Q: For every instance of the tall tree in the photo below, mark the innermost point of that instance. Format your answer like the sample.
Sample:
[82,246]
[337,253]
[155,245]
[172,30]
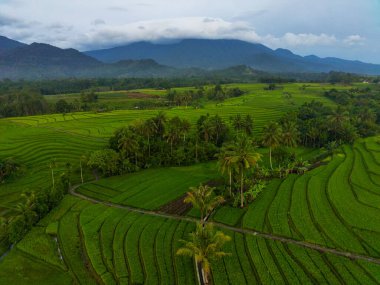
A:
[225,162]
[337,119]
[243,158]
[52,166]
[271,138]
[159,122]
[185,128]
[205,245]
[238,122]
[204,199]
[290,134]
[128,145]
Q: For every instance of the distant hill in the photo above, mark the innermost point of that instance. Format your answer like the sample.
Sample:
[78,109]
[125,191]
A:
[7,45]
[216,54]
[42,61]
[223,59]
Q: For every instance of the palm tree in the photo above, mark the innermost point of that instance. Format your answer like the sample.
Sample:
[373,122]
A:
[26,209]
[203,198]
[271,138]
[205,245]
[128,145]
[207,130]
[243,157]
[238,123]
[159,123]
[337,118]
[185,128]
[173,131]
[52,166]
[225,162]
[219,128]
[82,158]
[290,134]
[248,125]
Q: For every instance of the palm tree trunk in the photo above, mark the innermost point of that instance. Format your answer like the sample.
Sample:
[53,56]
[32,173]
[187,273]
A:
[205,276]
[149,145]
[241,189]
[171,147]
[230,182]
[270,157]
[81,171]
[196,150]
[52,177]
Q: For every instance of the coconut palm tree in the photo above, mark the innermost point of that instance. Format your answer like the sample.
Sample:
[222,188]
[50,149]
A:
[290,134]
[238,123]
[205,245]
[83,158]
[52,166]
[26,209]
[225,162]
[203,198]
[185,128]
[128,145]
[337,118]
[248,125]
[271,138]
[159,122]
[243,158]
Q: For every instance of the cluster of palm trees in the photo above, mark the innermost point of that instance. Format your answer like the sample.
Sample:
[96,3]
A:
[238,157]
[33,206]
[320,125]
[194,96]
[163,141]
[204,244]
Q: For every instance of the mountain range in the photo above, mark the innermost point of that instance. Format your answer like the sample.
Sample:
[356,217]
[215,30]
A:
[189,57]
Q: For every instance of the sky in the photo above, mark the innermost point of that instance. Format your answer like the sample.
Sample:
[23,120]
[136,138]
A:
[339,28]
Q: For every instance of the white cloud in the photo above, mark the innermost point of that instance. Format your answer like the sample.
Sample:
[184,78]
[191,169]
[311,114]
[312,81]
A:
[294,40]
[354,40]
[318,27]
[169,29]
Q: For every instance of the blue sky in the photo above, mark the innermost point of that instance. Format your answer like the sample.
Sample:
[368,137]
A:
[340,28]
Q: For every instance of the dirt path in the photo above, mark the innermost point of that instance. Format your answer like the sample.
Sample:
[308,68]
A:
[273,237]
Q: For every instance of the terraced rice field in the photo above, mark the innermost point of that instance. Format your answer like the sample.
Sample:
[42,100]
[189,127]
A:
[335,206]
[112,245]
[36,140]
[151,188]
[99,244]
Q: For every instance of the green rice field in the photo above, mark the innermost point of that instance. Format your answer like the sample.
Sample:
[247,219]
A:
[112,230]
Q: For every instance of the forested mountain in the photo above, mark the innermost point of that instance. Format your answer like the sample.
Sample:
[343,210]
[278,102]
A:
[187,58]
[7,45]
[216,54]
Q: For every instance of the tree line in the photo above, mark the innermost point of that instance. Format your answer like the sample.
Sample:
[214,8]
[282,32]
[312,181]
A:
[195,96]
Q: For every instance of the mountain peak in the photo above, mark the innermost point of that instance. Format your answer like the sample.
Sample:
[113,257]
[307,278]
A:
[7,44]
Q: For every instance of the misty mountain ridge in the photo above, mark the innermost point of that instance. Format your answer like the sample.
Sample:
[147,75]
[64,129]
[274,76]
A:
[216,54]
[185,58]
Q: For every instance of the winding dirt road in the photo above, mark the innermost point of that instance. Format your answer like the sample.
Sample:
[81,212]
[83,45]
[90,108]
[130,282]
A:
[273,237]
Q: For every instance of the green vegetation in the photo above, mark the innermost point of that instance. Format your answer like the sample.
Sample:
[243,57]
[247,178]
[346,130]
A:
[324,189]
